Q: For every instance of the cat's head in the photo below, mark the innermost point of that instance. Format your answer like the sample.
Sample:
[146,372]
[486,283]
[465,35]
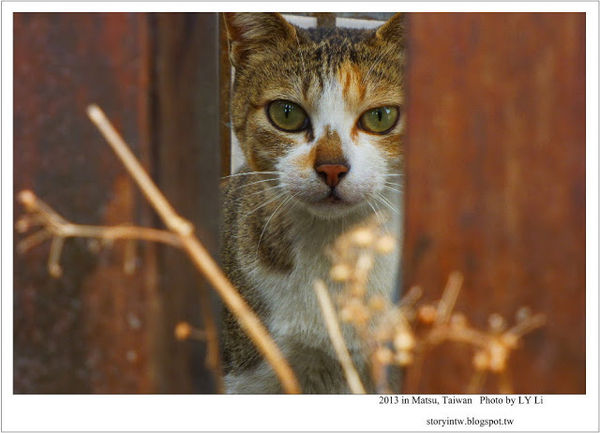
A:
[322,107]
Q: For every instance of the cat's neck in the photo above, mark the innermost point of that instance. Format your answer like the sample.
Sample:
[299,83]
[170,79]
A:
[325,230]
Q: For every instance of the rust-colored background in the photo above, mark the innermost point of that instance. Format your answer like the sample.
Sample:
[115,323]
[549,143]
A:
[496,185]
[96,329]
[495,188]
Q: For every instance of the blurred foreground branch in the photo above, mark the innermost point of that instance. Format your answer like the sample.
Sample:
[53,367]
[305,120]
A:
[180,234]
[403,334]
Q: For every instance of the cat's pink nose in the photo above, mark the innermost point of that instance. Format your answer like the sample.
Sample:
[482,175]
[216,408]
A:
[332,173]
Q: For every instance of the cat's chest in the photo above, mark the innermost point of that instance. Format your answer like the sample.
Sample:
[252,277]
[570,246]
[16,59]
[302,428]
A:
[295,317]
[292,304]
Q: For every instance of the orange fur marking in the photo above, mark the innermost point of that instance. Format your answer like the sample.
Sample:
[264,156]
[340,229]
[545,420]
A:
[307,161]
[353,88]
[329,149]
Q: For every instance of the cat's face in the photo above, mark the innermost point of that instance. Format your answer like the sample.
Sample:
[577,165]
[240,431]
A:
[323,109]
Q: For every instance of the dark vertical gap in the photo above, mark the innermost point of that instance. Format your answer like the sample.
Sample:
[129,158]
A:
[325,19]
[187,130]
[224,74]
[154,134]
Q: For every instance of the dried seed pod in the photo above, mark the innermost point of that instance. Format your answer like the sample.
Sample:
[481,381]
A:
[427,314]
[27,199]
[458,321]
[403,358]
[377,303]
[498,354]
[481,360]
[362,237]
[346,314]
[383,333]
[361,315]
[385,244]
[55,270]
[340,272]
[404,341]
[183,331]
[22,225]
[522,314]
[384,355]
[510,340]
[497,323]
[364,264]
[358,290]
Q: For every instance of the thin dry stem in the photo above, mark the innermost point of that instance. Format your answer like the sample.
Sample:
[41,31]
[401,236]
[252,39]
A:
[505,383]
[135,169]
[527,325]
[476,382]
[387,329]
[446,304]
[56,225]
[337,339]
[196,251]
[54,256]
[33,240]
[213,355]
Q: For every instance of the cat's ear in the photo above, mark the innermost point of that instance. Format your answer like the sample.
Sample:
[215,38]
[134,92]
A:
[251,33]
[392,30]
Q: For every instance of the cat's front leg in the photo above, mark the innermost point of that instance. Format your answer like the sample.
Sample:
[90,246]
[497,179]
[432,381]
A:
[260,379]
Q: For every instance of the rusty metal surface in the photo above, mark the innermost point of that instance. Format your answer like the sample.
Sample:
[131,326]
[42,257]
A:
[97,329]
[496,185]
[87,330]
[187,130]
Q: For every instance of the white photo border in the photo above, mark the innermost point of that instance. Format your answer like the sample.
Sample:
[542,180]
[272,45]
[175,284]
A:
[276,412]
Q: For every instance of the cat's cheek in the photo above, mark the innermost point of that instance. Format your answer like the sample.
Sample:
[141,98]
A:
[367,173]
[356,192]
[297,173]
[306,189]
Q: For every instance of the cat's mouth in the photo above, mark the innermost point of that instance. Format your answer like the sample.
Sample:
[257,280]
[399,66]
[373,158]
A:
[334,201]
[333,197]
[332,204]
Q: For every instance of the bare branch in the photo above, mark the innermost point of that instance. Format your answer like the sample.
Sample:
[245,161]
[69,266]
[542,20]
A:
[196,251]
[337,339]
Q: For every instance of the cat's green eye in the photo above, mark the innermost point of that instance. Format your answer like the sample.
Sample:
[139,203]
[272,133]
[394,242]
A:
[379,120]
[287,115]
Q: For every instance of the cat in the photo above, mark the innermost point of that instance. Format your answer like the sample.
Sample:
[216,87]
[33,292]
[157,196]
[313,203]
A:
[318,114]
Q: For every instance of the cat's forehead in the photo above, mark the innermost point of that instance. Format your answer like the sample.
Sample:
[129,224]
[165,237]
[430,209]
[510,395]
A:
[304,72]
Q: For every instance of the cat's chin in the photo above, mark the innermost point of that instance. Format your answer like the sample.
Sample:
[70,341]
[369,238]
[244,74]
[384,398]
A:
[332,208]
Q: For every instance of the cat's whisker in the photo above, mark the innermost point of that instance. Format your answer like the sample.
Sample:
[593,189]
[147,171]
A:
[265,190]
[392,189]
[377,214]
[400,188]
[245,185]
[277,197]
[393,174]
[385,201]
[248,173]
[381,217]
[287,200]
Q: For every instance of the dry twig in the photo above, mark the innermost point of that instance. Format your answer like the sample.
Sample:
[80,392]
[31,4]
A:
[196,251]
[180,234]
[337,339]
[387,329]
